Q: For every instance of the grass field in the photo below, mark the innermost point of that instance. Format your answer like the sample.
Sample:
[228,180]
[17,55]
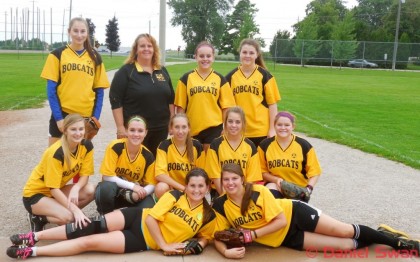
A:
[372,110]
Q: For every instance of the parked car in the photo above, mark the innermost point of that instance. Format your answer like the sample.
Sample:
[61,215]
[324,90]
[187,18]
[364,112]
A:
[361,63]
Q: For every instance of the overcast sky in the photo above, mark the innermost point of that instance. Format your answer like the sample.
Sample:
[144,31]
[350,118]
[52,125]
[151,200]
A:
[139,16]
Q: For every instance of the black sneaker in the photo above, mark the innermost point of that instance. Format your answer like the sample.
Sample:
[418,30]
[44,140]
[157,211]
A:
[389,231]
[36,223]
[127,195]
[413,246]
[27,239]
[19,252]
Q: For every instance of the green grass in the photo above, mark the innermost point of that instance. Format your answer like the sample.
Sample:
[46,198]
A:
[372,110]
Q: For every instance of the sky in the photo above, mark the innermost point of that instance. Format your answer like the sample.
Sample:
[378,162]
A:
[138,16]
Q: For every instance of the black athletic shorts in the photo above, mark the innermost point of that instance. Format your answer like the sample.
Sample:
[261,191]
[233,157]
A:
[133,233]
[53,129]
[304,218]
[207,135]
[29,201]
[257,140]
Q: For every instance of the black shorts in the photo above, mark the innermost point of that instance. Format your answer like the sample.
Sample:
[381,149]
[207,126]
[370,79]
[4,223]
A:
[29,201]
[304,218]
[53,129]
[207,135]
[257,140]
[133,233]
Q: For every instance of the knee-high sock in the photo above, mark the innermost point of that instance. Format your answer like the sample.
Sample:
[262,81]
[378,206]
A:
[366,236]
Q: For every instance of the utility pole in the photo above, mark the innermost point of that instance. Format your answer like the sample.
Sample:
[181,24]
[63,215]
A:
[5,28]
[397,28]
[162,30]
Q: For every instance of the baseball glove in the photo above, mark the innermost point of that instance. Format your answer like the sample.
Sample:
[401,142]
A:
[92,126]
[293,191]
[233,237]
[192,247]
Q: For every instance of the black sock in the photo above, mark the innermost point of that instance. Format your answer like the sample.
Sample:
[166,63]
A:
[366,236]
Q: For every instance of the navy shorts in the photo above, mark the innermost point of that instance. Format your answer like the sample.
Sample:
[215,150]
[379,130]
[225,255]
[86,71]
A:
[207,135]
[304,218]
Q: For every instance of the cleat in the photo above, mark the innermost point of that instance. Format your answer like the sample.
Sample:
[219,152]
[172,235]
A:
[36,223]
[20,252]
[389,231]
[409,245]
[127,195]
[24,239]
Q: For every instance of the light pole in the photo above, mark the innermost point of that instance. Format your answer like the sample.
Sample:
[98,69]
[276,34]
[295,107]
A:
[394,55]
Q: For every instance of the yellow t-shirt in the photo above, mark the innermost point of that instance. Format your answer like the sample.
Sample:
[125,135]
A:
[118,163]
[262,208]
[254,94]
[53,172]
[175,164]
[296,163]
[77,76]
[221,152]
[203,99]
[177,220]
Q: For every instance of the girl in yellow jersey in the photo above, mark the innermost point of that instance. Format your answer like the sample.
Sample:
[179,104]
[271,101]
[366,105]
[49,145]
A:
[233,147]
[288,157]
[290,223]
[255,90]
[204,95]
[76,79]
[127,171]
[176,156]
[46,195]
[176,218]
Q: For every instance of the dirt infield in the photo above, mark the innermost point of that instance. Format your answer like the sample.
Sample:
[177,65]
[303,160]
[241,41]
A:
[355,187]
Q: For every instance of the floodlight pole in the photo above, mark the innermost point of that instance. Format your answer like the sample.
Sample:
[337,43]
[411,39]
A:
[162,31]
[394,55]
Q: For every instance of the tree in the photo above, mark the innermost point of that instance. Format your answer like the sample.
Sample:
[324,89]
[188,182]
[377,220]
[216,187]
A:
[344,45]
[200,20]
[239,25]
[370,15]
[306,44]
[112,38]
[92,28]
[282,46]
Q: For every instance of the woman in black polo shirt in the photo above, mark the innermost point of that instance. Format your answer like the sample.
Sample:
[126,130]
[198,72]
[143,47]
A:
[142,86]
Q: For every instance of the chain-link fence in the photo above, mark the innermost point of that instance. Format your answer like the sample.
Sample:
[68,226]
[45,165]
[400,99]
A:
[339,53]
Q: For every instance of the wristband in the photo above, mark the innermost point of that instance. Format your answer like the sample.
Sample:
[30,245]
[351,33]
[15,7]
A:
[255,234]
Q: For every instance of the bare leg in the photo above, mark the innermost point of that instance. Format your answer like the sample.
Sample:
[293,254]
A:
[97,242]
[161,188]
[54,211]
[86,194]
[330,233]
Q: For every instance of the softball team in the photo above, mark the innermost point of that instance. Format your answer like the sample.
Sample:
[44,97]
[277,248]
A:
[229,126]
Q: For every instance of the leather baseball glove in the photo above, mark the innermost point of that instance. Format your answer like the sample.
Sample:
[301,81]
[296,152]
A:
[192,247]
[293,191]
[233,237]
[92,126]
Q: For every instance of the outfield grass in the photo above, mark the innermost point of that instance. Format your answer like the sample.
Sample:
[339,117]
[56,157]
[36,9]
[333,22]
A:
[373,110]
